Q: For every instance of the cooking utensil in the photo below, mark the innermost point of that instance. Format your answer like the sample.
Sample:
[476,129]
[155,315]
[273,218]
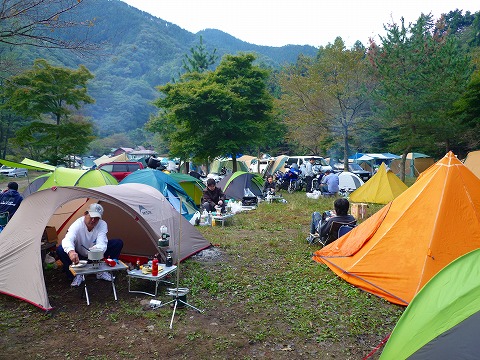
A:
[94,254]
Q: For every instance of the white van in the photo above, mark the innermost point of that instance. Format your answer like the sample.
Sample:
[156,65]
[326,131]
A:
[320,164]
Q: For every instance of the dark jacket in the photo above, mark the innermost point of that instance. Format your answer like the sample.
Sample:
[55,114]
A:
[267,186]
[213,197]
[10,201]
[325,228]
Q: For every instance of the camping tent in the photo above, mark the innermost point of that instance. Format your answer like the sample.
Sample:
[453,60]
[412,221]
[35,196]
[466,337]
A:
[443,319]
[134,213]
[277,165]
[382,188]
[217,165]
[402,246]
[349,181]
[473,162]
[234,185]
[415,164]
[71,177]
[106,159]
[167,186]
[191,185]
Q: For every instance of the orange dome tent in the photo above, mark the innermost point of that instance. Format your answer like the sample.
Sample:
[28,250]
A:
[398,249]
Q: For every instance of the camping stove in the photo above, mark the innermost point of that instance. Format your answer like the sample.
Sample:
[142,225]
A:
[96,263]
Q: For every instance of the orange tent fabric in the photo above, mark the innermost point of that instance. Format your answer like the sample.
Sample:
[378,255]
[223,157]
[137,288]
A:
[398,249]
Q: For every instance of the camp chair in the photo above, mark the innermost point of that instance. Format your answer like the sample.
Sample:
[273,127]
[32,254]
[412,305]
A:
[335,232]
[3,219]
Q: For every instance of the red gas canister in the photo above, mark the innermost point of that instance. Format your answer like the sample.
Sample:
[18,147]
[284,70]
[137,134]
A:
[155,267]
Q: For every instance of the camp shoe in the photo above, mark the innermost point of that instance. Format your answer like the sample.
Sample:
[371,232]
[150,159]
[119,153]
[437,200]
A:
[77,280]
[104,276]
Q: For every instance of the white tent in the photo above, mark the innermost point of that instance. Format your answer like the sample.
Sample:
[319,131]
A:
[349,181]
[134,213]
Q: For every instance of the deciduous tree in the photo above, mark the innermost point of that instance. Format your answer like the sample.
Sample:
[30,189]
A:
[325,99]
[42,23]
[49,95]
[223,112]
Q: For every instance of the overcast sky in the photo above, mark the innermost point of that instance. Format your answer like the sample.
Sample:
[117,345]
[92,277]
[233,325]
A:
[300,22]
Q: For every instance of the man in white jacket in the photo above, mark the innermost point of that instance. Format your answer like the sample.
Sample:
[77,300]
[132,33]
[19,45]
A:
[87,232]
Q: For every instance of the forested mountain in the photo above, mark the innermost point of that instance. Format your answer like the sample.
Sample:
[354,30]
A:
[137,53]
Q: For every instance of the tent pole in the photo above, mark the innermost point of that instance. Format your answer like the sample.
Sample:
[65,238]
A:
[179,292]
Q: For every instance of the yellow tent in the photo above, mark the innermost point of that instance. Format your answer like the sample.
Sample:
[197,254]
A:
[401,247]
[473,162]
[382,188]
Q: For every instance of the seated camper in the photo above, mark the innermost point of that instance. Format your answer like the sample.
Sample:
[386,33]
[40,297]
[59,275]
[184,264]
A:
[325,227]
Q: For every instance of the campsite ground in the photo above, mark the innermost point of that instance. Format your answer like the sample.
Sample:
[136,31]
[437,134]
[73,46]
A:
[262,296]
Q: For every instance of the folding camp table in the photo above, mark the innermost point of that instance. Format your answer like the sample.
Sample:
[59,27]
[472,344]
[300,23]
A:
[138,274]
[221,218]
[95,269]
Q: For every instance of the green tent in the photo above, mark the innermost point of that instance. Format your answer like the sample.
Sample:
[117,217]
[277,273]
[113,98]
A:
[75,177]
[192,186]
[443,319]
[217,165]
[234,185]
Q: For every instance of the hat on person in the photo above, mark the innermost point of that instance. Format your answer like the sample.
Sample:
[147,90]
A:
[95,210]
[211,181]
[328,171]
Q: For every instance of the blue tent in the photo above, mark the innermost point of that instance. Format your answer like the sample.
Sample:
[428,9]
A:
[169,188]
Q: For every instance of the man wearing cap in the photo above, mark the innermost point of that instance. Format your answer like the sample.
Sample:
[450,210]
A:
[213,196]
[330,182]
[87,232]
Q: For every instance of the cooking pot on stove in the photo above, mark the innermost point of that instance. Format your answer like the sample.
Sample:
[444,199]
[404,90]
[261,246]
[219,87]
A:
[95,254]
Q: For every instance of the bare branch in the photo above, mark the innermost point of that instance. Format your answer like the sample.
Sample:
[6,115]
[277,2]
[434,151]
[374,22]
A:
[44,23]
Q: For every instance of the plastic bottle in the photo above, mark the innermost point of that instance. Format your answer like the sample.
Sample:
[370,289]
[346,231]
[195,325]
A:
[155,267]
[204,217]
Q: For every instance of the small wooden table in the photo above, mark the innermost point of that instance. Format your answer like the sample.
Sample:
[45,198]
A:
[157,279]
[95,269]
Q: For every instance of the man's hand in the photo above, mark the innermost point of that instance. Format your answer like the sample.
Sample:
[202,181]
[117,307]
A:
[73,257]
[220,202]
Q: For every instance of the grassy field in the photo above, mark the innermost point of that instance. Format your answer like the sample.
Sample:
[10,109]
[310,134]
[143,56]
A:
[262,295]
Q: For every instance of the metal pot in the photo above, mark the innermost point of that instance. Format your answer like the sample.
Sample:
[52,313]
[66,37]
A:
[95,254]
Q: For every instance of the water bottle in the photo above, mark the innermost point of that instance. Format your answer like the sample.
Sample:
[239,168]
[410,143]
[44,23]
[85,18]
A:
[204,217]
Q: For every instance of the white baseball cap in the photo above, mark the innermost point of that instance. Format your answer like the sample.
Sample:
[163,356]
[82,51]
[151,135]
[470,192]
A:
[95,210]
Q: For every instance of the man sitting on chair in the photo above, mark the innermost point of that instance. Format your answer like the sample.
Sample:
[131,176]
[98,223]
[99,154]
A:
[321,224]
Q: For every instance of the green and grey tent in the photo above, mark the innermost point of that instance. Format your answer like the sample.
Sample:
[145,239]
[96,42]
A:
[234,185]
[192,186]
[443,319]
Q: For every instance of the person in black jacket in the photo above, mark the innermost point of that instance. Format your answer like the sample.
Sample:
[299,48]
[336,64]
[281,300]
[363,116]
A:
[213,196]
[10,199]
[321,224]
[269,186]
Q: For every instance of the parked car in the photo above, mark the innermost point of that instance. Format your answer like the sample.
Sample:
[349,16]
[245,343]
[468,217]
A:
[320,164]
[120,169]
[13,172]
[355,169]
